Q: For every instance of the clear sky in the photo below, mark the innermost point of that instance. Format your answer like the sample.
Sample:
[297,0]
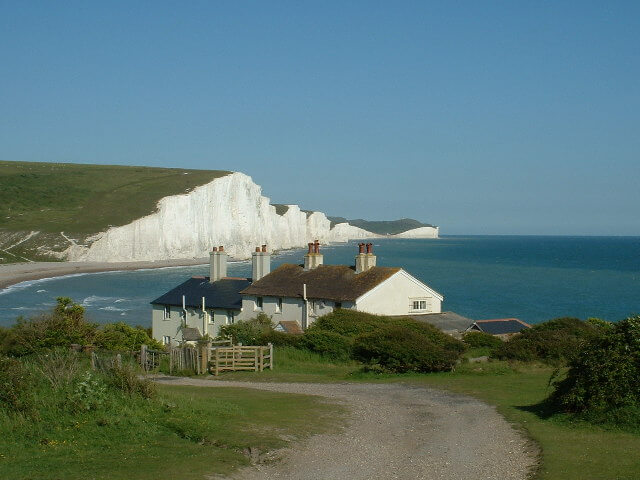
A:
[497,117]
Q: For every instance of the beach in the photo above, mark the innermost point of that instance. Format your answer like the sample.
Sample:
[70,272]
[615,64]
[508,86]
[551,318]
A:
[13,273]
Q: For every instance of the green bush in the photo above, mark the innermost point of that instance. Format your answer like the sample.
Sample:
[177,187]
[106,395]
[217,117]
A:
[328,344]
[66,325]
[555,341]
[122,337]
[605,374]
[280,339]
[248,332]
[400,348]
[481,340]
[349,323]
[16,387]
[126,378]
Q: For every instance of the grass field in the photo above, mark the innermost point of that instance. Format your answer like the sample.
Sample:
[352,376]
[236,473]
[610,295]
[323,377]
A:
[569,450]
[190,433]
[85,199]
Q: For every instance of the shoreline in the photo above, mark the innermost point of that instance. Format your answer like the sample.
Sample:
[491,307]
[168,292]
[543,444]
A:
[14,273]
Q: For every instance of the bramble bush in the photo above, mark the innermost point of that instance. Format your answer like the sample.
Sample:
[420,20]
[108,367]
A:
[604,375]
[248,332]
[401,348]
[481,340]
[555,341]
[327,343]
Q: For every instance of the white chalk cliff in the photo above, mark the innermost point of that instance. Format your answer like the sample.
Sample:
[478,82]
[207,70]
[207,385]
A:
[229,211]
[421,232]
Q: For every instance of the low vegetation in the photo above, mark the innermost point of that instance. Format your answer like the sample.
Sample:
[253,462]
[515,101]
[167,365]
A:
[382,227]
[379,343]
[65,326]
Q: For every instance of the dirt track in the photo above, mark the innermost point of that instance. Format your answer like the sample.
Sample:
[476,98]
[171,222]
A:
[397,432]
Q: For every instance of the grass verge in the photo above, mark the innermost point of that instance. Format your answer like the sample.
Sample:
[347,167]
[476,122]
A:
[187,433]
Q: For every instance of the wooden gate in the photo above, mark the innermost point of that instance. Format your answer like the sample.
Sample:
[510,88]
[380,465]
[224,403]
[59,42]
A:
[240,357]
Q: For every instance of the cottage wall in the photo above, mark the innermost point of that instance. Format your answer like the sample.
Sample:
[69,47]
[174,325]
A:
[293,309]
[395,296]
[170,327]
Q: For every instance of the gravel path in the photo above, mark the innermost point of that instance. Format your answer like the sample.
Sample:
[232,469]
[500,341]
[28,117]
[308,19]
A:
[397,432]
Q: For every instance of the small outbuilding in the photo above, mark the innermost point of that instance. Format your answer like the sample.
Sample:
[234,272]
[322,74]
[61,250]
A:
[499,327]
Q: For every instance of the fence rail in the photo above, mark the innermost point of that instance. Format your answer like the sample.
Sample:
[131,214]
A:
[240,357]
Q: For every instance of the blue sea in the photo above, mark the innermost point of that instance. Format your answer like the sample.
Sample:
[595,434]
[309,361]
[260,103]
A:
[534,278]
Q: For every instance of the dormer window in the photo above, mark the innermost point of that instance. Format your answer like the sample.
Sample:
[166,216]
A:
[419,305]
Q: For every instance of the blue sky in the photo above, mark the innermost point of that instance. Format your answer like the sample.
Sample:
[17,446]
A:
[481,117]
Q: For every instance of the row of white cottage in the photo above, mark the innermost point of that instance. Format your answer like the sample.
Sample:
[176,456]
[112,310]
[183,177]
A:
[291,293]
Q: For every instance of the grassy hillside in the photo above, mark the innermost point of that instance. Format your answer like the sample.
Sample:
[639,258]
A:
[79,200]
[84,199]
[382,227]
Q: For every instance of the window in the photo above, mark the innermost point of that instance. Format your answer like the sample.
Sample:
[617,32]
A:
[259,303]
[419,305]
[279,305]
[166,340]
[166,314]
[231,316]
[338,305]
[313,307]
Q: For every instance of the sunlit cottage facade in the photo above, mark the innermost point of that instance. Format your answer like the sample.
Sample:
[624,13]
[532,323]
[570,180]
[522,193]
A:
[299,293]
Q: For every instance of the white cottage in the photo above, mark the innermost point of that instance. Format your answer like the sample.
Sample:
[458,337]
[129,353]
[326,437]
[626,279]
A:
[303,293]
[291,293]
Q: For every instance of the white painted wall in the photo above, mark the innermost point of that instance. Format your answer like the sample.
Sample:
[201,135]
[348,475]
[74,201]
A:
[162,327]
[395,296]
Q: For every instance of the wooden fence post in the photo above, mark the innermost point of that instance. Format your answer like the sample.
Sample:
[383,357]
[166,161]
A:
[143,357]
[271,356]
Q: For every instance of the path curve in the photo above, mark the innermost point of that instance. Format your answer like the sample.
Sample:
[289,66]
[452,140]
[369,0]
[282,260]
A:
[396,431]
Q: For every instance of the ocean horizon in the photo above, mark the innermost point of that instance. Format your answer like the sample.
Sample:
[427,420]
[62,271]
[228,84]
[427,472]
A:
[530,277]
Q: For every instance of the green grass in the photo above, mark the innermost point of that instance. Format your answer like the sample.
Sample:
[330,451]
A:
[570,449]
[189,433]
[382,227]
[85,199]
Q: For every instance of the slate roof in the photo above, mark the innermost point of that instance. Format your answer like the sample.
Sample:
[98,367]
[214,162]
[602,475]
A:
[331,282]
[190,334]
[289,326]
[500,326]
[445,321]
[224,293]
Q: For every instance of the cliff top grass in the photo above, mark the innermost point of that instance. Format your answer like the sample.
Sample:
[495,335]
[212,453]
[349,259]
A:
[382,227]
[85,199]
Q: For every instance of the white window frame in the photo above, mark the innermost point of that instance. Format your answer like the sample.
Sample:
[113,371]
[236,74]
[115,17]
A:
[279,302]
[166,312]
[259,304]
[419,304]
[166,340]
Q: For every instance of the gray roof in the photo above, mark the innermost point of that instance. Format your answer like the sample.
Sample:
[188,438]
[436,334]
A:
[224,293]
[500,326]
[190,334]
[446,321]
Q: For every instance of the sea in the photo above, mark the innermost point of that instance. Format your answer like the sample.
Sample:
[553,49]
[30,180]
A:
[533,278]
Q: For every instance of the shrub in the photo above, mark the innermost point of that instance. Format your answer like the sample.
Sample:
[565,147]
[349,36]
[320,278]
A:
[126,379]
[280,339]
[481,340]
[554,341]
[89,393]
[605,374]
[66,325]
[16,387]
[122,337]
[349,323]
[399,348]
[59,367]
[327,343]
[248,332]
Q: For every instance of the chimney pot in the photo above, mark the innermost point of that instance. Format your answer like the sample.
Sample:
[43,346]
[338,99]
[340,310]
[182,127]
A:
[316,246]
[310,247]
[215,249]
[369,248]
[361,248]
[264,248]
[221,248]
[257,249]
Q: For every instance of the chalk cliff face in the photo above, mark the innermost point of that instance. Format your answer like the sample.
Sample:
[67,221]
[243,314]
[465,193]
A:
[422,232]
[229,211]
